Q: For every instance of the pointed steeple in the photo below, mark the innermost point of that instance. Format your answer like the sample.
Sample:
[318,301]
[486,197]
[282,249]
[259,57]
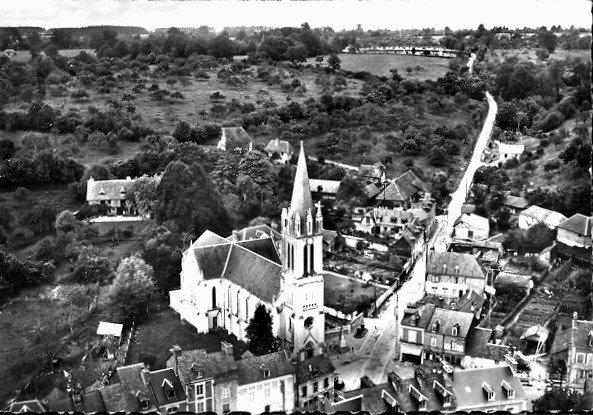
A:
[301,202]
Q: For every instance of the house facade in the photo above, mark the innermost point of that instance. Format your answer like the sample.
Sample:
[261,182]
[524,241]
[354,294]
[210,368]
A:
[314,382]
[324,189]
[452,274]
[471,226]
[445,335]
[575,345]
[509,151]
[280,149]
[114,194]
[402,191]
[575,231]
[223,281]
[412,330]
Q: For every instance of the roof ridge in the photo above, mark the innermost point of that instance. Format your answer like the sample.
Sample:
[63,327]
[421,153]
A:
[226,263]
[255,253]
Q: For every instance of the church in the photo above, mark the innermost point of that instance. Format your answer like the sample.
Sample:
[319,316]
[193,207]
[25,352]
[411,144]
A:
[223,280]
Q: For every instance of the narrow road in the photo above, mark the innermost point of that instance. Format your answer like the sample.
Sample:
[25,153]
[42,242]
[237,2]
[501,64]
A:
[335,163]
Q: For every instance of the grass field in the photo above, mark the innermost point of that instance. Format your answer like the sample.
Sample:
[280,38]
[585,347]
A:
[423,67]
[346,295]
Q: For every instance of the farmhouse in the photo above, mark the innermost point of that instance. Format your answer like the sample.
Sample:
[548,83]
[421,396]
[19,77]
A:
[403,190]
[279,150]
[535,214]
[234,138]
[114,194]
[471,227]
[223,281]
[575,231]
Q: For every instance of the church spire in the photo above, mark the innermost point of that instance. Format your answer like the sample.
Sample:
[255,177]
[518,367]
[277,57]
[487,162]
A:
[301,202]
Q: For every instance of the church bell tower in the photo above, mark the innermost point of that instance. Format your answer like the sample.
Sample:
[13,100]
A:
[302,267]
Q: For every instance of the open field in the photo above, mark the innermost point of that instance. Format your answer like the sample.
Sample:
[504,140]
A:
[345,295]
[422,67]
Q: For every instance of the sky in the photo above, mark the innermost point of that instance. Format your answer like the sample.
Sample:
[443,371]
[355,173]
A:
[338,14]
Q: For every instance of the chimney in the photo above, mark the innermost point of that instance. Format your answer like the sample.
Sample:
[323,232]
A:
[176,351]
[145,376]
[128,178]
[235,235]
[277,143]
[227,348]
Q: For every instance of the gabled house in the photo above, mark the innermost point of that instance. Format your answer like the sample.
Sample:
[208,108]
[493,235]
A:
[372,173]
[280,151]
[446,334]
[452,274]
[314,382]
[89,402]
[114,194]
[515,204]
[234,138]
[575,231]
[481,351]
[471,227]
[402,191]
[33,405]
[488,390]
[509,151]
[535,214]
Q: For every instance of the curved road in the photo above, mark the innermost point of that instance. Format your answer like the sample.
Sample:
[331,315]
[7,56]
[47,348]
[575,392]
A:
[376,360]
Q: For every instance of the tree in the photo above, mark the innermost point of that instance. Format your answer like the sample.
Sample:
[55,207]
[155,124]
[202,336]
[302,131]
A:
[259,332]
[7,149]
[133,288]
[547,40]
[66,222]
[77,298]
[163,250]
[80,94]
[144,193]
[90,266]
[182,132]
[563,400]
[334,62]
[296,54]
[40,220]
[520,117]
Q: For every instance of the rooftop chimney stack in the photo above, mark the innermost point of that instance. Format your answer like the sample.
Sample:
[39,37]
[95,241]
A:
[145,374]
[227,348]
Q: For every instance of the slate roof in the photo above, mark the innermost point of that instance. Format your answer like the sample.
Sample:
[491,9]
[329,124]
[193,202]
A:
[423,315]
[301,200]
[468,208]
[371,190]
[373,171]
[251,370]
[313,368]
[516,202]
[370,399]
[582,337]
[236,137]
[467,385]
[403,187]
[255,232]
[577,223]
[538,213]
[131,384]
[217,365]
[107,189]
[55,394]
[162,379]
[89,402]
[279,146]
[447,319]
[114,398]
[478,345]
[327,186]
[505,278]
[252,264]
[468,265]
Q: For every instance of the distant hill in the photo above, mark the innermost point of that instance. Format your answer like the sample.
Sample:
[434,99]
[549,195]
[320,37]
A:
[89,31]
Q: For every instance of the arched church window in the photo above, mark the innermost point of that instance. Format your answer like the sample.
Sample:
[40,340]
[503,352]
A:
[246,308]
[213,297]
[308,322]
[305,260]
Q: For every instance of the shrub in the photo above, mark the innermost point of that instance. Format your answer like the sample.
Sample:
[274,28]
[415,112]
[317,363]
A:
[552,165]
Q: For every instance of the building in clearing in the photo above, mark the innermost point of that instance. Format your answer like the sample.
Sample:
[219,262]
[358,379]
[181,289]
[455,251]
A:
[535,214]
[111,193]
[281,149]
[509,151]
[234,138]
[575,231]
[223,281]
[472,227]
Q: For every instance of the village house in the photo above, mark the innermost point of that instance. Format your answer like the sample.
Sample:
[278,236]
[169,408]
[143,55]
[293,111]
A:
[314,382]
[279,151]
[446,334]
[324,190]
[402,191]
[372,173]
[471,227]
[509,151]
[575,346]
[575,231]
[488,390]
[535,214]
[412,329]
[488,252]
[517,281]
[217,382]
[409,243]
[452,274]
[114,194]
[515,204]
[481,352]
[222,281]
[235,139]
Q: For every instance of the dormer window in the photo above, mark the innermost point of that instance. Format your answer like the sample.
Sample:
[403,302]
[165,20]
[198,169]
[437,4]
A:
[455,330]
[435,326]
[509,389]
[143,400]
[196,369]
[444,268]
[456,269]
[168,389]
[265,373]
[489,392]
[102,192]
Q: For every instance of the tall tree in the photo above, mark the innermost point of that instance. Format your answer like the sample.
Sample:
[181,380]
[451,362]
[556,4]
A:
[259,332]
[133,288]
